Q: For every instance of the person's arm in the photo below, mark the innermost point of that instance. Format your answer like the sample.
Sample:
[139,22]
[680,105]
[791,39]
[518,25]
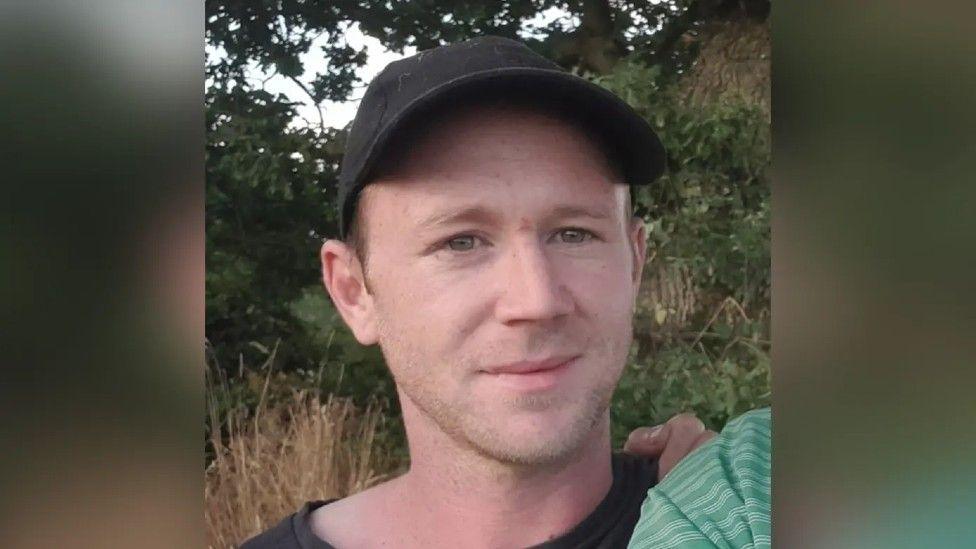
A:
[718,496]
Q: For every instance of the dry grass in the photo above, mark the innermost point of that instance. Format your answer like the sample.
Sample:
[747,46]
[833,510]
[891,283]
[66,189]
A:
[269,463]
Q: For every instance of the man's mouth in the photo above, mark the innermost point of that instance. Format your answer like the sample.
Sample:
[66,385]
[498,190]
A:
[530,366]
[531,375]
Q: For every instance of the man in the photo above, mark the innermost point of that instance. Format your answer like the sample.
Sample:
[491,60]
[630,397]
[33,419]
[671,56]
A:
[490,249]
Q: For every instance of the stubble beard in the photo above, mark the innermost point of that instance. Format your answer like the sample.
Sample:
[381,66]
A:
[488,436]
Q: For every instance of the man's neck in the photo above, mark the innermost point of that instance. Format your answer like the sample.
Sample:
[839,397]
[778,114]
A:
[461,498]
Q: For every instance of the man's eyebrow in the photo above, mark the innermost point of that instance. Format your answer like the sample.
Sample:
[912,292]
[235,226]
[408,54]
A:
[472,214]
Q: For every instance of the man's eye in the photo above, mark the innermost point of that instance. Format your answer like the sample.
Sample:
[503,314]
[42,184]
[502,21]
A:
[462,243]
[574,236]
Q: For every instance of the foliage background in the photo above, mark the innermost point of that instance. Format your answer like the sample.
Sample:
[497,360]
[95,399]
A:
[698,71]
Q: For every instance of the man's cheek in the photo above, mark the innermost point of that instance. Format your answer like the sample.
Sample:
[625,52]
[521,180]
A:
[603,295]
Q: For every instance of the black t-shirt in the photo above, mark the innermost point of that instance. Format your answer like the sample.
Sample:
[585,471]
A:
[608,526]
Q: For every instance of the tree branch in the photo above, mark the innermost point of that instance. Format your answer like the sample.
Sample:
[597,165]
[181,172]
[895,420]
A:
[318,106]
[304,88]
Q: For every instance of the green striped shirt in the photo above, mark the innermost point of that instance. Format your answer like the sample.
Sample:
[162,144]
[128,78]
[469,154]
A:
[718,496]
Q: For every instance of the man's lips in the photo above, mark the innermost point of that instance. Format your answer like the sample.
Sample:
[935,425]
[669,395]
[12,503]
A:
[525,367]
[530,376]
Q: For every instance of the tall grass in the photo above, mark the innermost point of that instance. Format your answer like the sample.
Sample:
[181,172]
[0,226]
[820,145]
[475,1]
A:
[267,461]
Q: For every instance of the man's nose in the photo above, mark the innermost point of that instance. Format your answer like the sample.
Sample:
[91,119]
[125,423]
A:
[532,289]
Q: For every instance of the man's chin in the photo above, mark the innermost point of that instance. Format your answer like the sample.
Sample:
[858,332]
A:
[528,453]
[532,439]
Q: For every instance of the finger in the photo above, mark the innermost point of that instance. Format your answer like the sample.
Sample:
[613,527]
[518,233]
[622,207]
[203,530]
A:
[702,439]
[685,430]
[647,441]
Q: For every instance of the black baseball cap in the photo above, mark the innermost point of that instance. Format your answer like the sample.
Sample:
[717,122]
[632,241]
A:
[484,67]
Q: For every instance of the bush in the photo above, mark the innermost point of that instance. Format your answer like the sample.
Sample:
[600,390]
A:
[702,322]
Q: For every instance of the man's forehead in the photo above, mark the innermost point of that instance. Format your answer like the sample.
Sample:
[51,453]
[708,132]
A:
[481,213]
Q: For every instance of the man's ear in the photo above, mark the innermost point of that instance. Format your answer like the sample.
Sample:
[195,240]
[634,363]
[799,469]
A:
[638,243]
[342,274]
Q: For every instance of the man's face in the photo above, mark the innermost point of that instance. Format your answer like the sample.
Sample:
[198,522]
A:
[503,266]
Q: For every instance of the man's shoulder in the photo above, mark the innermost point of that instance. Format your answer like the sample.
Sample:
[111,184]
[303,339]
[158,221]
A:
[282,535]
[356,520]
[342,520]
[327,524]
